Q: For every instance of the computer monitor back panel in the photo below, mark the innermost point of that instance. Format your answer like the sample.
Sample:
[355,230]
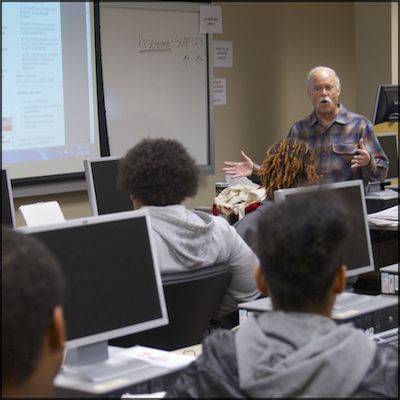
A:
[358,255]
[113,283]
[389,145]
[101,179]
[386,104]
[7,201]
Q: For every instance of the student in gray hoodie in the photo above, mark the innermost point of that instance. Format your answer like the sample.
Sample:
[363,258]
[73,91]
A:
[159,174]
[296,350]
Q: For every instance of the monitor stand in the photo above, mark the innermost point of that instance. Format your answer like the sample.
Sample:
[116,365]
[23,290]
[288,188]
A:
[92,363]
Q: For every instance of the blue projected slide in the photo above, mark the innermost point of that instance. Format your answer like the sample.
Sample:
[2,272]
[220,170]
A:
[49,103]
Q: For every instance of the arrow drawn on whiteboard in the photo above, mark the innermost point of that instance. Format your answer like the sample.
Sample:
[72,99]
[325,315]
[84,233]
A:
[199,59]
[186,59]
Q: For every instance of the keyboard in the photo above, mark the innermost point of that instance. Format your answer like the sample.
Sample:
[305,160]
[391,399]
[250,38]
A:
[109,369]
[347,299]
[383,195]
[390,336]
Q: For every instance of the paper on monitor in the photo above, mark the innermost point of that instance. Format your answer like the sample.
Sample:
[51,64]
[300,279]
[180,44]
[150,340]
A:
[43,213]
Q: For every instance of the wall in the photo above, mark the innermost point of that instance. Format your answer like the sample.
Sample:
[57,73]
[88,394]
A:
[274,46]
[395,41]
[373,52]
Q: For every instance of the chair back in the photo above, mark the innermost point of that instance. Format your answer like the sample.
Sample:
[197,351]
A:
[192,298]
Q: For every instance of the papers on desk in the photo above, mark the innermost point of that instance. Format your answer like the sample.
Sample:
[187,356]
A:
[159,358]
[155,395]
[242,180]
[385,219]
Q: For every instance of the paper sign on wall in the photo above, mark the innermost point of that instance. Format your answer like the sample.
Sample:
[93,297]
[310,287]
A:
[223,54]
[219,92]
[210,19]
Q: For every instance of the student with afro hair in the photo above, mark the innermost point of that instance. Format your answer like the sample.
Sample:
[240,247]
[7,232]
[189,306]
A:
[159,174]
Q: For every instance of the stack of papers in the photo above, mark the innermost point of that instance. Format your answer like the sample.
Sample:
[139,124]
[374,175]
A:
[385,219]
[242,180]
[159,358]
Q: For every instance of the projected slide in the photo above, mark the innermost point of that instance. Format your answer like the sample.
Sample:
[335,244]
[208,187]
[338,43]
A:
[32,75]
[49,104]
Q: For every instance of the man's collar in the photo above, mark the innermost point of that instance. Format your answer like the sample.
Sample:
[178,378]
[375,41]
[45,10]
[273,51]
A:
[341,116]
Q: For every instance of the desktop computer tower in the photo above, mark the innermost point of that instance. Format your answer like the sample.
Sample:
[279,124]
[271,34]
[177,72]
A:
[375,314]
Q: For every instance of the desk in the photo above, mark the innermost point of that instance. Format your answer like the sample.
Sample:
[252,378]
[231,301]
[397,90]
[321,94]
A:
[370,313]
[194,350]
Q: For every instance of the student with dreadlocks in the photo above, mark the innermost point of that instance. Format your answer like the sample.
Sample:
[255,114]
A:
[288,163]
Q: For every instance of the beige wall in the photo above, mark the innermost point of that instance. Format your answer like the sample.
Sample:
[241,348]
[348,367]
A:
[274,46]
[373,52]
[395,42]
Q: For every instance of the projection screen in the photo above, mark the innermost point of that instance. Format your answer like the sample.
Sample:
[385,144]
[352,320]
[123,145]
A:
[49,101]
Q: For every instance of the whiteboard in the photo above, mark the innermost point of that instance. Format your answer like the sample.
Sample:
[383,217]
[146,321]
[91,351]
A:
[157,77]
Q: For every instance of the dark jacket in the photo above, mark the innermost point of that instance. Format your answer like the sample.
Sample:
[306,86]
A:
[216,372]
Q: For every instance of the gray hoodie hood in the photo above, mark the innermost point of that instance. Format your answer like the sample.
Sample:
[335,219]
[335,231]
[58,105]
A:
[186,235]
[300,355]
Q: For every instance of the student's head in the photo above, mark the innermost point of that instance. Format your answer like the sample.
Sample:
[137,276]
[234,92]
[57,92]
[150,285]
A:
[33,332]
[288,163]
[323,89]
[158,172]
[300,251]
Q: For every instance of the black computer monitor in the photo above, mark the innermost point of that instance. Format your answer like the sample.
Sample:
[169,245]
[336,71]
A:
[7,201]
[113,284]
[386,104]
[101,181]
[389,145]
[358,255]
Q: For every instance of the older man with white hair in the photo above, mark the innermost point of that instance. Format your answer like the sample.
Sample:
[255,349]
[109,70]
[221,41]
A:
[344,142]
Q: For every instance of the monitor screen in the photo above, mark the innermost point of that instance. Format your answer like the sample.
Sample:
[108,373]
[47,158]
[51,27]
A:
[7,201]
[386,104]
[389,145]
[113,282]
[101,181]
[358,251]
